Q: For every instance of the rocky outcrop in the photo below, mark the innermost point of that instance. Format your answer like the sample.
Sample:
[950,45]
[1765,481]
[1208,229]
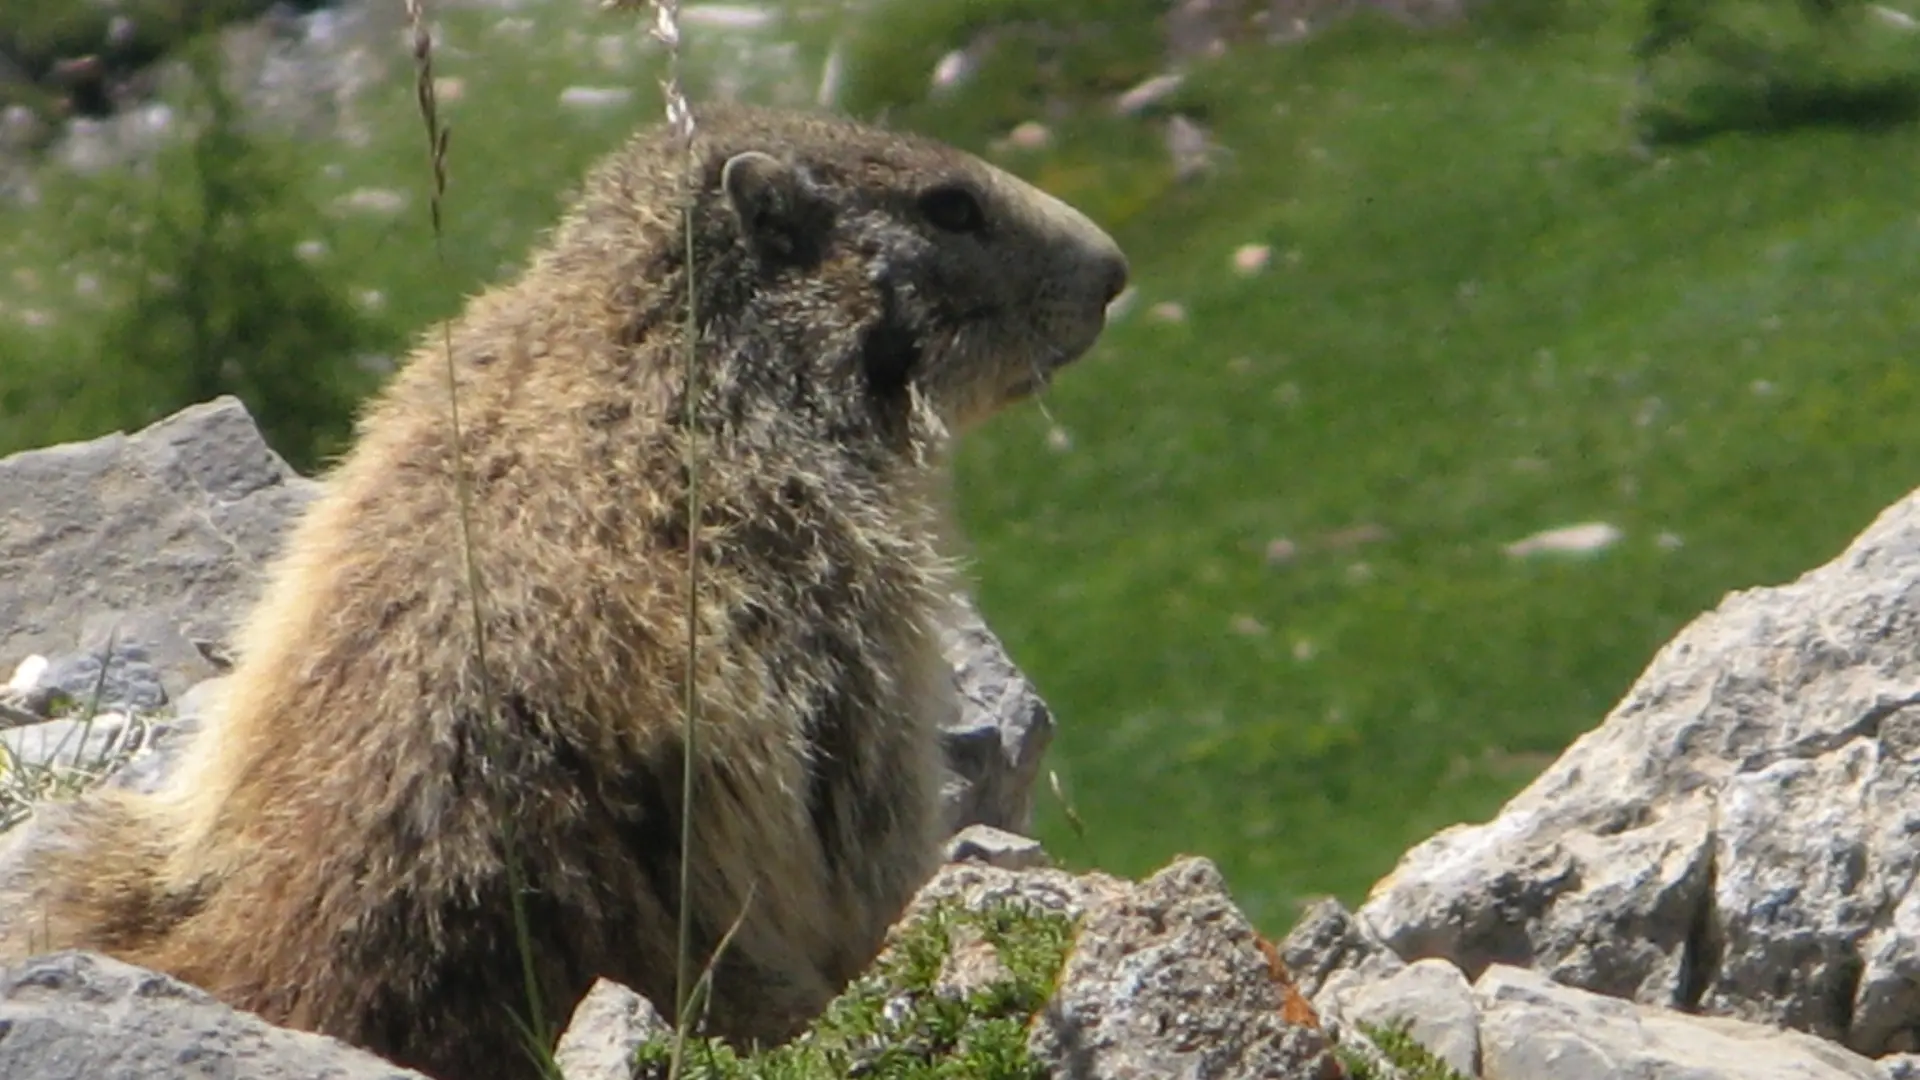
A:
[1738,838]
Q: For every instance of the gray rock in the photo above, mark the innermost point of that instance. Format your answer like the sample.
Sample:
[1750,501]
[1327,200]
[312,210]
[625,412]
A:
[1328,950]
[147,769]
[1739,836]
[164,532]
[1535,1029]
[984,843]
[118,676]
[608,1027]
[1435,1003]
[73,1014]
[1167,980]
[87,745]
[997,738]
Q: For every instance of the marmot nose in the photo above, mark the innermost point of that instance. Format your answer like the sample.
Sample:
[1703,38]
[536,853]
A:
[1113,276]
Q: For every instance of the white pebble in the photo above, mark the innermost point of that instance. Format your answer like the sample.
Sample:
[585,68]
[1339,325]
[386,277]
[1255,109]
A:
[1031,135]
[27,674]
[1252,258]
[1147,94]
[1582,539]
[595,97]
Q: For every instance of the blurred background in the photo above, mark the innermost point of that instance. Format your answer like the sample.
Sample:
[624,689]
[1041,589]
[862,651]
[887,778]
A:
[1474,347]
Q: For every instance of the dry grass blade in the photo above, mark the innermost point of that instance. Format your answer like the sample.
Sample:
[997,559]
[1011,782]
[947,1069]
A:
[666,30]
[438,140]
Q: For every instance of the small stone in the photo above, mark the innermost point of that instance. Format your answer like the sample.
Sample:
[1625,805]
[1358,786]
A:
[27,674]
[373,201]
[1585,538]
[608,1027]
[1167,311]
[996,847]
[1252,258]
[448,89]
[1281,550]
[595,97]
[1058,440]
[1145,95]
[1031,135]
[728,16]
[310,250]
[952,69]
[1248,626]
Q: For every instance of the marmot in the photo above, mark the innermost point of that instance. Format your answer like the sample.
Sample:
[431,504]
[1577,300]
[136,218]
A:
[334,855]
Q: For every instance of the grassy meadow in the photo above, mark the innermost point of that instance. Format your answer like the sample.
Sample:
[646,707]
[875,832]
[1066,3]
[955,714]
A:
[1252,555]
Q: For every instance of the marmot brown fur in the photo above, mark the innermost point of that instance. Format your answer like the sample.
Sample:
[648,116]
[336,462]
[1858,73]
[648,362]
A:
[334,855]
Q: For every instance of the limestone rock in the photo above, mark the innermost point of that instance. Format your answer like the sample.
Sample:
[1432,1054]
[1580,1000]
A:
[996,847]
[1435,1003]
[607,1028]
[76,1014]
[999,734]
[1532,1028]
[157,537]
[1166,979]
[1738,836]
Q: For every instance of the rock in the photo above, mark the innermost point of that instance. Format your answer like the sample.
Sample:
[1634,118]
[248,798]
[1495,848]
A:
[995,847]
[77,744]
[1166,978]
[167,739]
[163,532]
[1535,1029]
[1435,1003]
[1585,538]
[1001,730]
[75,1014]
[1739,835]
[608,1027]
[1329,951]
[120,676]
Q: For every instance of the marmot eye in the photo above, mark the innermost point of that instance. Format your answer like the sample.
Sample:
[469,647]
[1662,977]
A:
[954,209]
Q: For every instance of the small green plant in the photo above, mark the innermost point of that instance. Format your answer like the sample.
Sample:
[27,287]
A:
[893,1024]
[1414,1062]
[77,762]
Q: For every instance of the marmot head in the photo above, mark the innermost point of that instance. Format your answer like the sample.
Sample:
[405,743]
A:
[869,279]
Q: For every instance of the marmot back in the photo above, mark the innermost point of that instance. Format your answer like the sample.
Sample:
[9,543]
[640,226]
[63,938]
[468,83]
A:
[334,855]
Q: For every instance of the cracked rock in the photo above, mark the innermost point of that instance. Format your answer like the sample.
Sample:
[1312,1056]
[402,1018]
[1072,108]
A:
[157,537]
[1535,1029]
[1740,833]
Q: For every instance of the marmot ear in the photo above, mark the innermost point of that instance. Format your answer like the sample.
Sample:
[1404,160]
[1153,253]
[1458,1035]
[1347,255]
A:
[780,215]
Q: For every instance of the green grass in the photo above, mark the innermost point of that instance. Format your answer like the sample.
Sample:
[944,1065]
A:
[1488,313]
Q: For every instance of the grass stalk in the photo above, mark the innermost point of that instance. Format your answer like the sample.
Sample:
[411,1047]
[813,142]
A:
[438,139]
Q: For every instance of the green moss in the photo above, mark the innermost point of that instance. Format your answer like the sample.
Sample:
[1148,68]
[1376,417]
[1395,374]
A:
[928,1036]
